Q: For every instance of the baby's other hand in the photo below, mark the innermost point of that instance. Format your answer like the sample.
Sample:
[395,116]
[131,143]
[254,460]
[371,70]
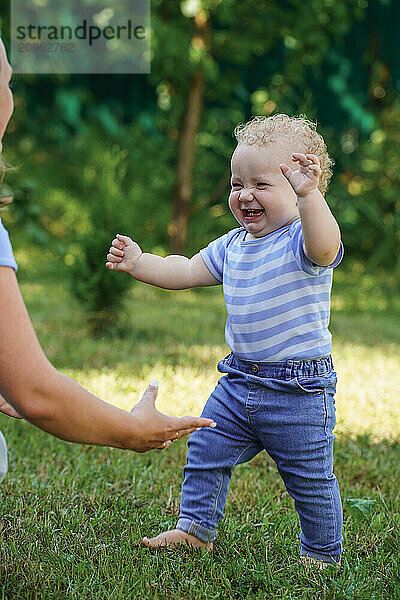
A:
[123,254]
[306,178]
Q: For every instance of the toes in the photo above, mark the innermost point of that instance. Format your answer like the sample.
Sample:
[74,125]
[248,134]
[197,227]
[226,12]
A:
[172,541]
[153,542]
[148,542]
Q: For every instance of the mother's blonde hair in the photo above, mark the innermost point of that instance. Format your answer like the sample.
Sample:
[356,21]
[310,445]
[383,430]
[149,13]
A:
[4,200]
[3,168]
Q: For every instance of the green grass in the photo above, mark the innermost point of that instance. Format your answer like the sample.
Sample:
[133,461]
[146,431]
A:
[73,516]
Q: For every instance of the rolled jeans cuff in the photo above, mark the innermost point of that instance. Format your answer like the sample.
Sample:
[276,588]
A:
[332,559]
[202,533]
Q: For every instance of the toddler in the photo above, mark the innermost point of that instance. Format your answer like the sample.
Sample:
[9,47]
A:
[277,393]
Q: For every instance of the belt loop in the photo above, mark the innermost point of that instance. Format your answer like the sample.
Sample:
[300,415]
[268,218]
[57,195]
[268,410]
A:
[289,369]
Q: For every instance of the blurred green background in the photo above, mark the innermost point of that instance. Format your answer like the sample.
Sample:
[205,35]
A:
[148,155]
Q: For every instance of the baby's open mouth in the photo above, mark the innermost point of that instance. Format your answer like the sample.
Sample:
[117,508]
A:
[252,213]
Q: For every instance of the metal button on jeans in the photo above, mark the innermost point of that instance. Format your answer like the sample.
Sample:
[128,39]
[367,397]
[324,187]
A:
[254,368]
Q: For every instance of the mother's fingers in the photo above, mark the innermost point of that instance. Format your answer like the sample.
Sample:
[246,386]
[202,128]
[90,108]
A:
[162,445]
[154,445]
[9,410]
[183,432]
[182,429]
[182,423]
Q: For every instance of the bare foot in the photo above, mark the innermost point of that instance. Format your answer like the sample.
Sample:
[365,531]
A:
[309,561]
[173,538]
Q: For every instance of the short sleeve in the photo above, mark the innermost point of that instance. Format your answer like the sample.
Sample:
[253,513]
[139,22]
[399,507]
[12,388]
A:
[6,254]
[214,256]
[305,264]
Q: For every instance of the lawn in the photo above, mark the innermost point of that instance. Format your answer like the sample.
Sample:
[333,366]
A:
[73,516]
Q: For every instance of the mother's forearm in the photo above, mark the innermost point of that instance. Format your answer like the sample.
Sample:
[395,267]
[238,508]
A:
[65,409]
[60,406]
[39,392]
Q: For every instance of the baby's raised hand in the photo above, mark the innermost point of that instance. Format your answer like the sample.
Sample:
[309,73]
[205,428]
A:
[306,178]
[123,254]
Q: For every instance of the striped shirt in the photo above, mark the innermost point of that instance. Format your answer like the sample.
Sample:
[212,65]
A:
[277,300]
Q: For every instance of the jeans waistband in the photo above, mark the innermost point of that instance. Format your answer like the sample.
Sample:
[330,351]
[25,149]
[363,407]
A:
[287,369]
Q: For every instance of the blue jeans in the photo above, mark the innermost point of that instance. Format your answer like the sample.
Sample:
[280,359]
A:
[286,408]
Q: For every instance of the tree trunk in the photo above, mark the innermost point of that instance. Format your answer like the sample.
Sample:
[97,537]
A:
[187,138]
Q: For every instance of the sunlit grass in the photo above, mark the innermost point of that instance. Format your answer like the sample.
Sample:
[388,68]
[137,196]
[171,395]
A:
[367,399]
[368,391]
[178,338]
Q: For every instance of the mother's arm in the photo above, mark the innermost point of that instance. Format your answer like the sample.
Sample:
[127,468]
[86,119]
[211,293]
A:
[59,405]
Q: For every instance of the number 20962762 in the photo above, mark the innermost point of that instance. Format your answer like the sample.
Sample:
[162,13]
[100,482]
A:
[45,47]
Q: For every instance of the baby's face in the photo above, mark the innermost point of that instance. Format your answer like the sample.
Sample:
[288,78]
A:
[261,198]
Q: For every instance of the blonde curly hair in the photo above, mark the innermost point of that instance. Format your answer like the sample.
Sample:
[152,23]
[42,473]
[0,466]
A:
[264,131]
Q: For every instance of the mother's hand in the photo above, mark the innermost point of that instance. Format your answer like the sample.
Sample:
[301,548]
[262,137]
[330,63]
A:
[7,409]
[158,430]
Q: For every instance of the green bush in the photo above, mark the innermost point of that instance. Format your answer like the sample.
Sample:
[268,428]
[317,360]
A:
[108,208]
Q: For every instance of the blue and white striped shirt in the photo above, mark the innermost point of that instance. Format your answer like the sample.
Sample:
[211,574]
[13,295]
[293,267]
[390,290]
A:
[277,300]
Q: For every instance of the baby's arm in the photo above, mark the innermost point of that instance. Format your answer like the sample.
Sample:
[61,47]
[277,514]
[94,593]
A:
[174,272]
[321,232]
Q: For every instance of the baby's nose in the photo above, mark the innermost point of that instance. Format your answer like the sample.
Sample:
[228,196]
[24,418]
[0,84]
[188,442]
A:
[246,195]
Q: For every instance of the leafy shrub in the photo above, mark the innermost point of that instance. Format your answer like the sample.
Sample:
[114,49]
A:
[108,209]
